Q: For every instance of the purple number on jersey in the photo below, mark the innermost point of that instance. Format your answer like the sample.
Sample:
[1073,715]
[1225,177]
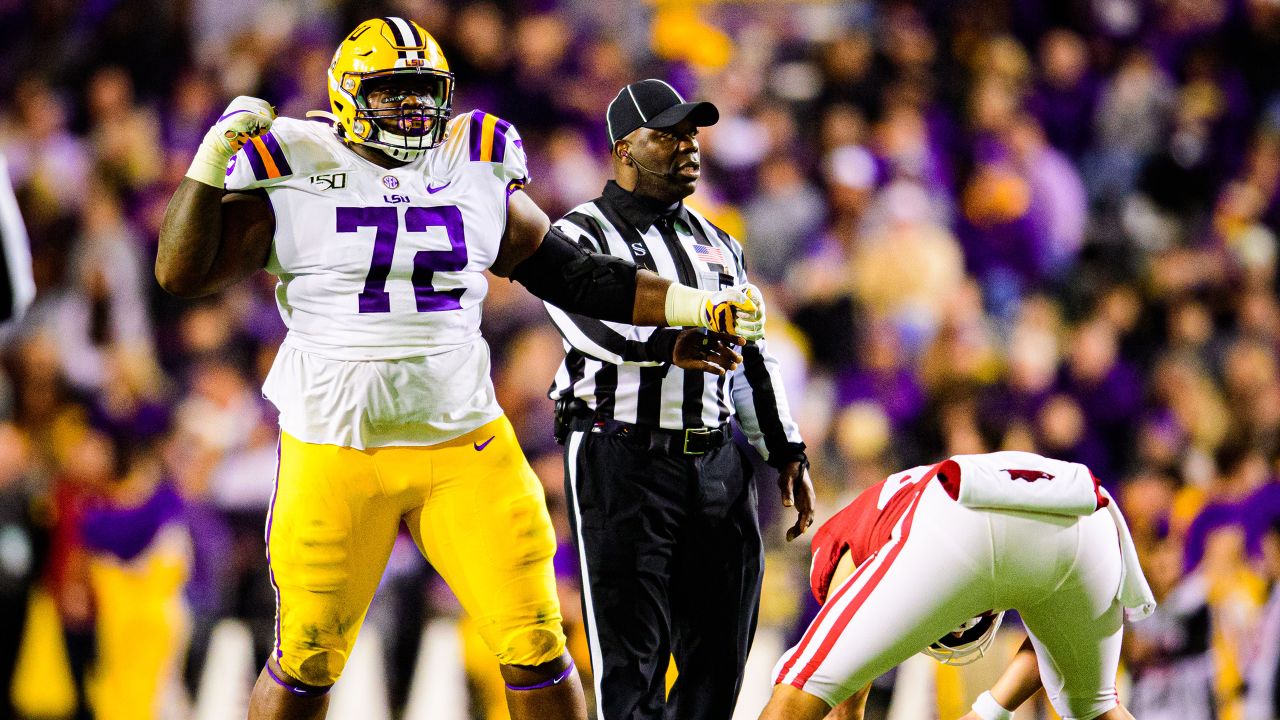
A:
[426,263]
[374,297]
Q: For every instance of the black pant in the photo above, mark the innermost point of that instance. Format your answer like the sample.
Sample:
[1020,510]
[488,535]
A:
[674,562]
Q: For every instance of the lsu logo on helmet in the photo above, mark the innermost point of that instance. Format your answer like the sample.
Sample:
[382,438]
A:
[390,48]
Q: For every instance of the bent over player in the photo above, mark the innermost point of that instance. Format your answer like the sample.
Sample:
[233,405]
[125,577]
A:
[930,557]
[379,228]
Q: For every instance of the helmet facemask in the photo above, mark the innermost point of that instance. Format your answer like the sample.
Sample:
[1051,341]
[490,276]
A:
[398,128]
[967,643]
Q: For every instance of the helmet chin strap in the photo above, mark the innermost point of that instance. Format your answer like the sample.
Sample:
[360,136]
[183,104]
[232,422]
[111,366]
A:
[400,147]
[395,146]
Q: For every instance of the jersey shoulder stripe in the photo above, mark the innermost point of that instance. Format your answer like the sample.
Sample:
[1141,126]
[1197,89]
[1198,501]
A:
[479,137]
[488,137]
[291,147]
[266,157]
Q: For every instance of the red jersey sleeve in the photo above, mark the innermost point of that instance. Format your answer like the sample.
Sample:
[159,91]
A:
[863,526]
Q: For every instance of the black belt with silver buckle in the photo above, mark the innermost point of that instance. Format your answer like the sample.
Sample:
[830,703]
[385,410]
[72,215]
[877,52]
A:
[690,441]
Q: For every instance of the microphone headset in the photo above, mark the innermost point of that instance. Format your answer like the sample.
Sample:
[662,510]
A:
[639,165]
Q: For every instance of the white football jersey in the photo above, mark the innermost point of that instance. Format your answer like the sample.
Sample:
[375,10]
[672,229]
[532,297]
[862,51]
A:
[383,266]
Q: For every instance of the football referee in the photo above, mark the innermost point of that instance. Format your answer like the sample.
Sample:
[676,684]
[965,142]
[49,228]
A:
[660,499]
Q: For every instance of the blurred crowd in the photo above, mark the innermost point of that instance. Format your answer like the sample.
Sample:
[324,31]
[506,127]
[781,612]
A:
[979,225]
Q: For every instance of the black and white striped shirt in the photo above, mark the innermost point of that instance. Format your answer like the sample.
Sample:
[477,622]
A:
[606,363]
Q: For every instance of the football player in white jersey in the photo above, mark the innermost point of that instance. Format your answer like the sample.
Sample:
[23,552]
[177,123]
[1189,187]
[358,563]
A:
[379,226]
[930,557]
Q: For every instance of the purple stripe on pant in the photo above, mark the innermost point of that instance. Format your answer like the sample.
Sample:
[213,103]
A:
[271,574]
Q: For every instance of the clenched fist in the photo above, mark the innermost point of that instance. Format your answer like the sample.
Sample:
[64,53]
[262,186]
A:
[245,118]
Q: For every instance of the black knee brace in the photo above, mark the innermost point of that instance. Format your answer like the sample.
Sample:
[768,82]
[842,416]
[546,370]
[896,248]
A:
[560,676]
[297,688]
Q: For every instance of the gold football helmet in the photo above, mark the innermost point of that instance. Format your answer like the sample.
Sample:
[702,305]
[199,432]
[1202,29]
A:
[391,54]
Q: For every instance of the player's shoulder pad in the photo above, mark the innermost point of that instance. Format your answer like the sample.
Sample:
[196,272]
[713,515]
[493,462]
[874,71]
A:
[291,147]
[481,137]
[488,138]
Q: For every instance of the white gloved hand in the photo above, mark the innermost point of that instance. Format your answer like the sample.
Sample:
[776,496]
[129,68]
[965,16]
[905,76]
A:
[246,117]
[720,310]
[750,323]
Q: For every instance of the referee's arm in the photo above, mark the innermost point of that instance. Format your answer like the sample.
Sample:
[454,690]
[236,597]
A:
[760,403]
[610,342]
[759,400]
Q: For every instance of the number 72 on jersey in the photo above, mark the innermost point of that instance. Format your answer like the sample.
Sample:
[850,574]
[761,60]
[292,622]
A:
[426,263]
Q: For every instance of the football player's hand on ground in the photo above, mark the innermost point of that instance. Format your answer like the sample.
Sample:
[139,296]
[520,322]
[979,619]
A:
[702,351]
[246,117]
[750,323]
[797,491]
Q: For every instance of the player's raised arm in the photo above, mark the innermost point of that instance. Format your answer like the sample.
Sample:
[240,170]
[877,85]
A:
[604,287]
[211,238]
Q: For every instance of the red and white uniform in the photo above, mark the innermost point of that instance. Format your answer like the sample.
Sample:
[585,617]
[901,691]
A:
[926,563]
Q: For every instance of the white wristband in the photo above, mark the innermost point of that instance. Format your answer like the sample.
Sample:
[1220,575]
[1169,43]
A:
[987,708]
[209,166]
[684,305]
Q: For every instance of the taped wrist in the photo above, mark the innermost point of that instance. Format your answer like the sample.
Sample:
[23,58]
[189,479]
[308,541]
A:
[987,708]
[685,305]
[209,166]
[577,281]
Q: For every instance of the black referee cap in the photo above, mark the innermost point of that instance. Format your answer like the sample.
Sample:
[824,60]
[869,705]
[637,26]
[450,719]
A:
[654,104]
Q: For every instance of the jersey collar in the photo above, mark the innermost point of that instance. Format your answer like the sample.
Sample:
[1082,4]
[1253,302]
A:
[643,212]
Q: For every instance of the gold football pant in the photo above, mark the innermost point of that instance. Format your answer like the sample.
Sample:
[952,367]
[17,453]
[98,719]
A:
[476,511]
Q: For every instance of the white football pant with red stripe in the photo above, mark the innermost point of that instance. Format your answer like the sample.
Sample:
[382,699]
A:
[945,564]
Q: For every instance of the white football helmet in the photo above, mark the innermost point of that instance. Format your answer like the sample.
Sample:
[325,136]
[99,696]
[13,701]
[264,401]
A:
[967,643]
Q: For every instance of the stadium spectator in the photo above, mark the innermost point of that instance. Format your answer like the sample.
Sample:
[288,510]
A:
[1262,700]
[139,557]
[24,541]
